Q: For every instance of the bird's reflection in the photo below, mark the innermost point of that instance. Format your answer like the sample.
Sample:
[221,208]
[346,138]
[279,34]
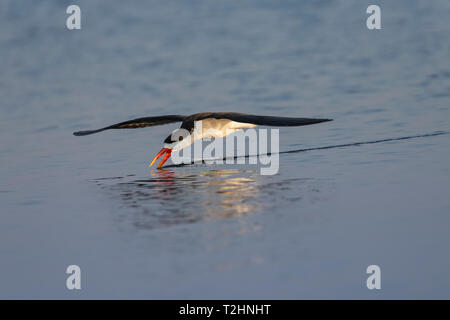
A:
[174,197]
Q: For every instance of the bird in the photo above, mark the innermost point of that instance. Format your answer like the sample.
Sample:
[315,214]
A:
[222,123]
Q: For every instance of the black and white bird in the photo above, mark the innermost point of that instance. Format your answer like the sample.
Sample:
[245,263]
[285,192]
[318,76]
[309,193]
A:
[220,123]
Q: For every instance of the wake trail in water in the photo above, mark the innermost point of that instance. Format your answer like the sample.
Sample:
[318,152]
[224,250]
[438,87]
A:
[352,144]
[437,133]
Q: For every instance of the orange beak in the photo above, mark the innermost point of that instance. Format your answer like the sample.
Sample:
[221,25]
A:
[168,153]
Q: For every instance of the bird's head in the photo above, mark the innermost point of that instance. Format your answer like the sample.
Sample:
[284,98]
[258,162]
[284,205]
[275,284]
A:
[179,139]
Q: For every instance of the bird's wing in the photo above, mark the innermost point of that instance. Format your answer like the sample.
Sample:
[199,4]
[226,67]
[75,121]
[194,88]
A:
[259,120]
[137,123]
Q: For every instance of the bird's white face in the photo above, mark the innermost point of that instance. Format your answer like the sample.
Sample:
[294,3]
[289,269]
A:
[177,146]
[179,139]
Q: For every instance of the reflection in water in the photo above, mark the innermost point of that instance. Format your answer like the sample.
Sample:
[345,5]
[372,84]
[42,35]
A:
[170,198]
[174,197]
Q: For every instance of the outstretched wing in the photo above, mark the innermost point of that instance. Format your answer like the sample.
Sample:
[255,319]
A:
[137,123]
[259,120]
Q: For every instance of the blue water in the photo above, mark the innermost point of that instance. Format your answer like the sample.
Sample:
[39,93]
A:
[225,231]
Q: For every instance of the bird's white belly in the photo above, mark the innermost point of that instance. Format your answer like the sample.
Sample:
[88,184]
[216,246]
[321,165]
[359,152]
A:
[210,128]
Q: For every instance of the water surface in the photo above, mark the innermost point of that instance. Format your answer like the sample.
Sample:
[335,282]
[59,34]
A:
[225,231]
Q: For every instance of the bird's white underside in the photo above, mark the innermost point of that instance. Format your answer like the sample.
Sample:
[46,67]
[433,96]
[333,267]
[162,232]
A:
[210,128]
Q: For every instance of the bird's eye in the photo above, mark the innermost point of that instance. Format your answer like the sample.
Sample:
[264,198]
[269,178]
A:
[180,138]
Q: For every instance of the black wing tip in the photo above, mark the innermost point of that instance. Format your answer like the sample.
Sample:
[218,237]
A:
[84,133]
[320,120]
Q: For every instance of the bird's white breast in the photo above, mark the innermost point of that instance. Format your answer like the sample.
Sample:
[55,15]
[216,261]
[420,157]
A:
[209,128]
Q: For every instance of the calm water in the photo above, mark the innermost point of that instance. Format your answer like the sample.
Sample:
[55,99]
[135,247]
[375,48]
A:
[212,231]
